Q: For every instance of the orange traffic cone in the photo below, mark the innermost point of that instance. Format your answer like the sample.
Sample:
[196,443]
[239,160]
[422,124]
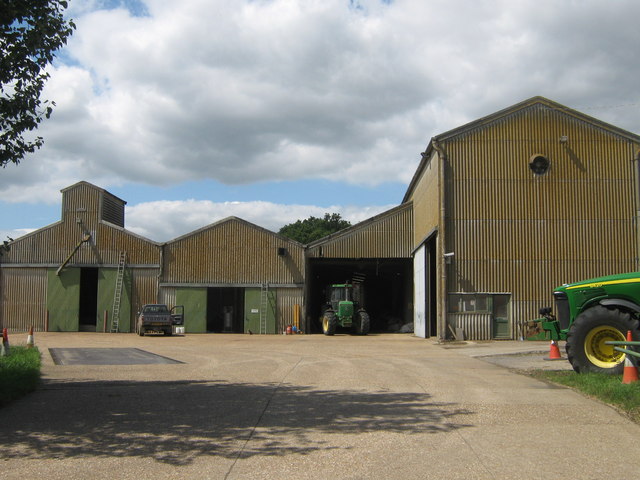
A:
[30,338]
[554,351]
[630,372]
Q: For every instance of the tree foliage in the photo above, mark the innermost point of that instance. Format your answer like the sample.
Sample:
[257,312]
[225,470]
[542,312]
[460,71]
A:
[313,228]
[31,32]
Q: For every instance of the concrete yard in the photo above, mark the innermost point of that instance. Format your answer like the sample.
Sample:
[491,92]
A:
[309,407]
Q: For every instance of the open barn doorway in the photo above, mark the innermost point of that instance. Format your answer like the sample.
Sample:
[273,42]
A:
[88,307]
[225,309]
[387,286]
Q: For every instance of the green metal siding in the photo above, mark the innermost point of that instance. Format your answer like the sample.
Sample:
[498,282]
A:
[252,310]
[195,308]
[106,291]
[63,300]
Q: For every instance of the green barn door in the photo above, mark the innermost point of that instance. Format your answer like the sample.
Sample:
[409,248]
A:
[252,307]
[106,292]
[501,323]
[63,300]
[194,301]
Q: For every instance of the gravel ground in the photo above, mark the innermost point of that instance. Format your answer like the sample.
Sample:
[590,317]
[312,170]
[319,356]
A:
[308,407]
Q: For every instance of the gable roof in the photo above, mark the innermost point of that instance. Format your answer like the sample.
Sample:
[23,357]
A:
[502,114]
[92,186]
[233,219]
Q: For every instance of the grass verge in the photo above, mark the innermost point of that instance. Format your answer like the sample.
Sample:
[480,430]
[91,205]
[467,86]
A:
[19,373]
[606,388]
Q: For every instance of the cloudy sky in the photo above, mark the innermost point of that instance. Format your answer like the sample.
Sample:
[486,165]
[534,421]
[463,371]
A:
[275,110]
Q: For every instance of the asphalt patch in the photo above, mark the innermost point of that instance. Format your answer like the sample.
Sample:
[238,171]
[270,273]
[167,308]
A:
[106,356]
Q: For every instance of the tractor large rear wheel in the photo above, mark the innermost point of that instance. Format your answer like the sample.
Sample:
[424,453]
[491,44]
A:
[586,347]
[329,322]
[361,323]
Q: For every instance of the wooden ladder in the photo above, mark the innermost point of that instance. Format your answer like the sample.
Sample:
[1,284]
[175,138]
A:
[117,294]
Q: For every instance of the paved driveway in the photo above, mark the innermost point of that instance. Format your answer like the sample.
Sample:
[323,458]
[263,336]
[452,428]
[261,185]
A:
[305,407]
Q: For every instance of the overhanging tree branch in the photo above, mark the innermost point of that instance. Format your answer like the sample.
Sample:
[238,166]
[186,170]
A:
[31,31]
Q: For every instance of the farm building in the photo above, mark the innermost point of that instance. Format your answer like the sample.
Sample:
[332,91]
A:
[498,213]
[512,205]
[233,276]
[375,253]
[87,273]
[63,277]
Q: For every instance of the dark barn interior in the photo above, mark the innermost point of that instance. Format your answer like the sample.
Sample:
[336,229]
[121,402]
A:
[387,289]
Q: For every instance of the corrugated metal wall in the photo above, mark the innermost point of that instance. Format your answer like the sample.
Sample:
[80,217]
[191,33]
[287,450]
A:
[23,294]
[286,299]
[513,231]
[426,200]
[476,326]
[388,235]
[233,252]
[52,245]
[24,268]
[144,290]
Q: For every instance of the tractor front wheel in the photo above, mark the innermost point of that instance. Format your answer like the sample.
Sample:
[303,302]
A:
[587,350]
[362,323]
[329,322]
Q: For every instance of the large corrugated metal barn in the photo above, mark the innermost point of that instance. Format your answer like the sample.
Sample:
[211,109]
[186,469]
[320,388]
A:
[375,253]
[63,277]
[510,206]
[233,276]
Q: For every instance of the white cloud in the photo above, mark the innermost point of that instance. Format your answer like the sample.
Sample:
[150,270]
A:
[165,220]
[5,235]
[273,90]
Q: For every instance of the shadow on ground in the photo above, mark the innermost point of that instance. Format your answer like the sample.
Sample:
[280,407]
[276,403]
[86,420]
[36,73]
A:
[177,422]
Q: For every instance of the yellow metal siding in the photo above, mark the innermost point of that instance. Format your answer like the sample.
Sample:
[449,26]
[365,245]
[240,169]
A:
[513,231]
[81,205]
[387,236]
[144,290]
[426,201]
[24,298]
[233,252]
[286,299]
[114,240]
[54,244]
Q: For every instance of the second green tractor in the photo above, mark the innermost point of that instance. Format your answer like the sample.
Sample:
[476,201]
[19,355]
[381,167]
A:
[344,309]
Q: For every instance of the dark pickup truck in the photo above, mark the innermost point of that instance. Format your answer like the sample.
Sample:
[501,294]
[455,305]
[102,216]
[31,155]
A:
[158,318]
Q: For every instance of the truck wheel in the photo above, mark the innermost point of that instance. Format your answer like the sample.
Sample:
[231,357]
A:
[362,323]
[168,331]
[586,348]
[329,322]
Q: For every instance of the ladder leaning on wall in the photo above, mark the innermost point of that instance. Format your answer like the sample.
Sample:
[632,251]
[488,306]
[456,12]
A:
[264,303]
[117,294]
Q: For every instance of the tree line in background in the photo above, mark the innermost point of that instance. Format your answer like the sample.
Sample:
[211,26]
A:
[313,228]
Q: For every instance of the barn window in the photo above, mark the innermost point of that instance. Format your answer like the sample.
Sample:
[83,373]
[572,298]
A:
[469,303]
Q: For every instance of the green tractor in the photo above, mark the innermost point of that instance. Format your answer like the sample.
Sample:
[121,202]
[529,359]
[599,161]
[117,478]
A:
[591,313]
[344,309]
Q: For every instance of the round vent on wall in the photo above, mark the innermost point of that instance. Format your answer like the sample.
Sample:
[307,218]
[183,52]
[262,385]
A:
[539,164]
